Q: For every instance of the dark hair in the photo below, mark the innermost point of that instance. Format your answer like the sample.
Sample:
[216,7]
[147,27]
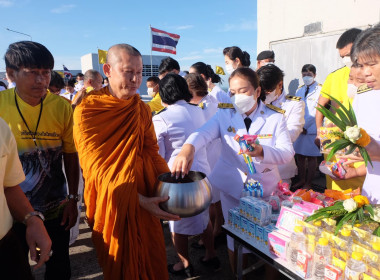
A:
[197,85]
[153,79]
[71,82]
[367,44]
[105,79]
[79,75]
[270,75]
[347,37]
[28,54]
[249,75]
[236,52]
[206,70]
[309,67]
[3,84]
[56,80]
[167,65]
[174,88]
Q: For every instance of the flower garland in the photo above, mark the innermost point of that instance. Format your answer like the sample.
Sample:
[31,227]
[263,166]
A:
[353,137]
[356,209]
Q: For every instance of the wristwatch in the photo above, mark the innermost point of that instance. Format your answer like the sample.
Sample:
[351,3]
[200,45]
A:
[76,197]
[34,213]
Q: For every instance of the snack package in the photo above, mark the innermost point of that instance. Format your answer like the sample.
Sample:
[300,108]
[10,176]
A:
[328,135]
[334,169]
[244,147]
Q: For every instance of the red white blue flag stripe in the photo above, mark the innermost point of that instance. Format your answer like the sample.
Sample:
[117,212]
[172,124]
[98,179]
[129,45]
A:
[163,41]
[66,72]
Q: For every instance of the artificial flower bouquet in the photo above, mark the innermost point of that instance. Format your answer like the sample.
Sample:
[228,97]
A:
[351,210]
[347,135]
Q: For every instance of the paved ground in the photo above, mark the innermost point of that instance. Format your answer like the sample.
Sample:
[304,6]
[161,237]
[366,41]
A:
[84,264]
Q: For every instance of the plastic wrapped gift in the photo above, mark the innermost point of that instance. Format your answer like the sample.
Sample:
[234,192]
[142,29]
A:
[334,169]
[252,188]
[328,135]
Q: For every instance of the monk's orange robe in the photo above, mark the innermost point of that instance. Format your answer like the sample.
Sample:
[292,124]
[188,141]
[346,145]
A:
[118,153]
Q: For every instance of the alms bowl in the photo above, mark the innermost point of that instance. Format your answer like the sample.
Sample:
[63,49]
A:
[189,196]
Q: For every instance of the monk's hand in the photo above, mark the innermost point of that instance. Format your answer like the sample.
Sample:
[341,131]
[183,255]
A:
[257,150]
[70,214]
[183,161]
[151,204]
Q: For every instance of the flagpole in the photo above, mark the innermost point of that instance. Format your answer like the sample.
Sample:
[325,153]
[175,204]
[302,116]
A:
[151,46]
[99,63]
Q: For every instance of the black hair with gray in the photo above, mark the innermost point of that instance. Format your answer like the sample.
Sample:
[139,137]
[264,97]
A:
[28,54]
[367,44]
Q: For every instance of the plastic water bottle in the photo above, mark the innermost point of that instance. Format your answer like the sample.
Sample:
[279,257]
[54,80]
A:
[322,257]
[297,242]
[373,263]
[355,267]
[345,234]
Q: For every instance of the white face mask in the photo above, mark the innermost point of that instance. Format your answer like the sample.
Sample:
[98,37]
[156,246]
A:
[151,92]
[347,61]
[269,98]
[243,103]
[229,69]
[351,90]
[308,80]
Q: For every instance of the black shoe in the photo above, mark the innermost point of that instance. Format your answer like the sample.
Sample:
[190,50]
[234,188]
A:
[198,246]
[213,263]
[188,271]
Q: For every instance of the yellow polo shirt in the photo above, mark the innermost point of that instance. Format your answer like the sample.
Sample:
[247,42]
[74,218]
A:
[336,86]
[155,104]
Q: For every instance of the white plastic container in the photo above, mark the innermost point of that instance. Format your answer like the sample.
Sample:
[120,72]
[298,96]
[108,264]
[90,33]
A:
[322,257]
[297,241]
[355,267]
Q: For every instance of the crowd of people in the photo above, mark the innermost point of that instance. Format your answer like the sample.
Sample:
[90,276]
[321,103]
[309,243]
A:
[54,132]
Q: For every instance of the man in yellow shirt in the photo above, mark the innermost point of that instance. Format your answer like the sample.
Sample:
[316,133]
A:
[336,85]
[152,85]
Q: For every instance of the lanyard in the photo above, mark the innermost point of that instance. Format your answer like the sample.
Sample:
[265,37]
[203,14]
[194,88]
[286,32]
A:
[23,119]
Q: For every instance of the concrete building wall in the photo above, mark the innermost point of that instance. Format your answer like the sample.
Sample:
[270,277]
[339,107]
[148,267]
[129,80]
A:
[301,32]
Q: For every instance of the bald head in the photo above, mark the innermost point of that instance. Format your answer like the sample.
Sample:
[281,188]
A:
[114,51]
[93,78]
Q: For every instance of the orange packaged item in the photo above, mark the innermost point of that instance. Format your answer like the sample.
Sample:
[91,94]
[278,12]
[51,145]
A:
[336,195]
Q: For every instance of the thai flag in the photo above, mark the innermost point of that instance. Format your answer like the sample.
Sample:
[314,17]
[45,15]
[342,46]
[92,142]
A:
[66,72]
[163,41]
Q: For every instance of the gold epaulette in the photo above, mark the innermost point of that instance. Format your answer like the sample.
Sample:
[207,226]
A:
[292,97]
[225,106]
[274,108]
[301,86]
[363,88]
[201,105]
[320,85]
[158,112]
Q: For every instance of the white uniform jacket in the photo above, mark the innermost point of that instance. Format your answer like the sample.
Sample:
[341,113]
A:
[220,95]
[295,120]
[304,144]
[231,171]
[173,126]
[366,107]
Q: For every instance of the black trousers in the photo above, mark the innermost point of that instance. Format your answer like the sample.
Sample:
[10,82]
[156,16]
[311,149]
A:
[58,266]
[14,264]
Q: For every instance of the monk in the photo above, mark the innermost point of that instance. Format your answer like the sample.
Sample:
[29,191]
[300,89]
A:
[118,152]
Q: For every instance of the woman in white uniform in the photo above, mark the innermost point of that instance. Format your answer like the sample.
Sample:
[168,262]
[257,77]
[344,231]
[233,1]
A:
[306,151]
[235,58]
[210,78]
[248,115]
[202,98]
[272,83]
[173,126]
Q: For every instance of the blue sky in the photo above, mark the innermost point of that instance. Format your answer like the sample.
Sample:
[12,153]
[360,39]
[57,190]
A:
[70,29]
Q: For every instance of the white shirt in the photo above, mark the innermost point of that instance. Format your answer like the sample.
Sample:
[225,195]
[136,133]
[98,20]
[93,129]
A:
[68,95]
[231,171]
[11,173]
[220,95]
[294,117]
[366,108]
[173,126]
